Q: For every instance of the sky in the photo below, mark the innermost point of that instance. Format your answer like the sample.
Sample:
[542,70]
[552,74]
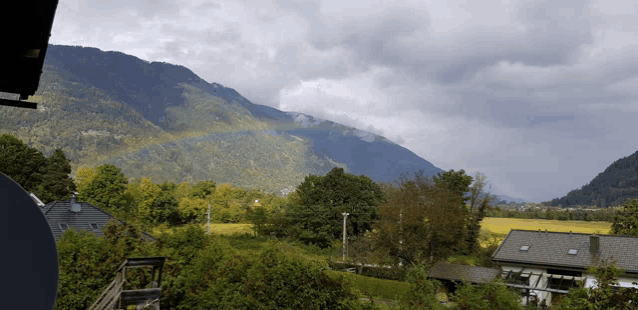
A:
[539,96]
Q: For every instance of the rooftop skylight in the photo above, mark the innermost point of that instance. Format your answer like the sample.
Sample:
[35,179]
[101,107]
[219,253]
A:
[525,248]
[64,226]
[572,252]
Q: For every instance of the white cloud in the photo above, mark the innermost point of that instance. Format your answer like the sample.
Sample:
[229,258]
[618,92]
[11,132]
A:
[538,95]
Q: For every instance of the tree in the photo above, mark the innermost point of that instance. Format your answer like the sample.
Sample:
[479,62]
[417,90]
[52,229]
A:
[486,296]
[147,192]
[83,178]
[165,207]
[331,195]
[56,183]
[106,189]
[457,182]
[422,293]
[626,220]
[228,203]
[24,165]
[257,216]
[421,222]
[276,278]
[480,202]
[88,263]
[203,189]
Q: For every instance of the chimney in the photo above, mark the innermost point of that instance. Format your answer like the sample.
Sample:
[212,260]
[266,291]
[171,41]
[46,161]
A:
[72,199]
[594,244]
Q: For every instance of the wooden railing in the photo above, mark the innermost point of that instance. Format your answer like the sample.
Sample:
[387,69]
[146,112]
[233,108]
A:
[110,296]
[114,297]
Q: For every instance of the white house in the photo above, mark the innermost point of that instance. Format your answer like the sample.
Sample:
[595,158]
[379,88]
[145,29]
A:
[544,265]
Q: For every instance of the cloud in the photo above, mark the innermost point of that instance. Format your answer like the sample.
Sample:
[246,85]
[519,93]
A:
[538,95]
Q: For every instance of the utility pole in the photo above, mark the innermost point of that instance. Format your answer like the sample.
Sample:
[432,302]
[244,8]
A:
[345,215]
[208,221]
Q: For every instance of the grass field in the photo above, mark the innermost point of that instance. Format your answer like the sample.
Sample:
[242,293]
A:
[219,228]
[503,225]
[500,227]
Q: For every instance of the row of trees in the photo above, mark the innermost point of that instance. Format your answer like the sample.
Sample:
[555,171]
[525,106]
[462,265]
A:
[47,177]
[107,188]
[202,272]
[420,220]
[602,215]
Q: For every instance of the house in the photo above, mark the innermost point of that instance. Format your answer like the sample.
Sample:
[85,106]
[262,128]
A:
[63,215]
[451,275]
[544,265]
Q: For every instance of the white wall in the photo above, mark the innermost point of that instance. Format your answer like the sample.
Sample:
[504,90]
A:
[622,281]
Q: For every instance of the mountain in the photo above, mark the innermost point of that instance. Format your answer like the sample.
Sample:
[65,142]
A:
[609,188]
[158,120]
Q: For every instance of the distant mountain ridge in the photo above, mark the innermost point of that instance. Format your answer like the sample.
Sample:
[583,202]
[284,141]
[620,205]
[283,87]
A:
[510,199]
[162,121]
[611,187]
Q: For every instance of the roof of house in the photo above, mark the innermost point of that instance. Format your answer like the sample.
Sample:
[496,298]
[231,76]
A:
[446,271]
[552,249]
[59,212]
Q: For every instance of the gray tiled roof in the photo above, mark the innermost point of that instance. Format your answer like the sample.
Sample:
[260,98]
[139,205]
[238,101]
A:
[60,212]
[550,248]
[447,271]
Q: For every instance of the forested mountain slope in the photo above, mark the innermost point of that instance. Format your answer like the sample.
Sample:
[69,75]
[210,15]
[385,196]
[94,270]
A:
[162,121]
[609,188]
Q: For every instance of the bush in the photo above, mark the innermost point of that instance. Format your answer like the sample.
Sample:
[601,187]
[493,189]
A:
[422,293]
[487,296]
[277,278]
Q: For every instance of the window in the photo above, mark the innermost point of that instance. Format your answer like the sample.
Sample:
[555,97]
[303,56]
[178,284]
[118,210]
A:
[525,248]
[94,226]
[64,226]
[572,252]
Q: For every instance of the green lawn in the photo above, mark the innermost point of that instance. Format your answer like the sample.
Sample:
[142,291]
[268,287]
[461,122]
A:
[378,288]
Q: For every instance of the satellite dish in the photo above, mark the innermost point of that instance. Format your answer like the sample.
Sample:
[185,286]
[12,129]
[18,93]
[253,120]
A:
[76,207]
[30,257]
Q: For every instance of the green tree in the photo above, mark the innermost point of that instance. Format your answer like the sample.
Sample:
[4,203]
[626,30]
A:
[421,222]
[486,296]
[56,183]
[106,189]
[203,189]
[337,192]
[276,278]
[83,177]
[626,220]
[422,293]
[148,193]
[24,165]
[457,182]
[480,202]
[165,207]
[257,216]
[88,263]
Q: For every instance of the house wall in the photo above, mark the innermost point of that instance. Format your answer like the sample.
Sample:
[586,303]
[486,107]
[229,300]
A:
[622,281]
[541,295]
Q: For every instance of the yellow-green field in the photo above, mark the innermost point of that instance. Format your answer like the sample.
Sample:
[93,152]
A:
[498,227]
[502,226]
[220,228]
